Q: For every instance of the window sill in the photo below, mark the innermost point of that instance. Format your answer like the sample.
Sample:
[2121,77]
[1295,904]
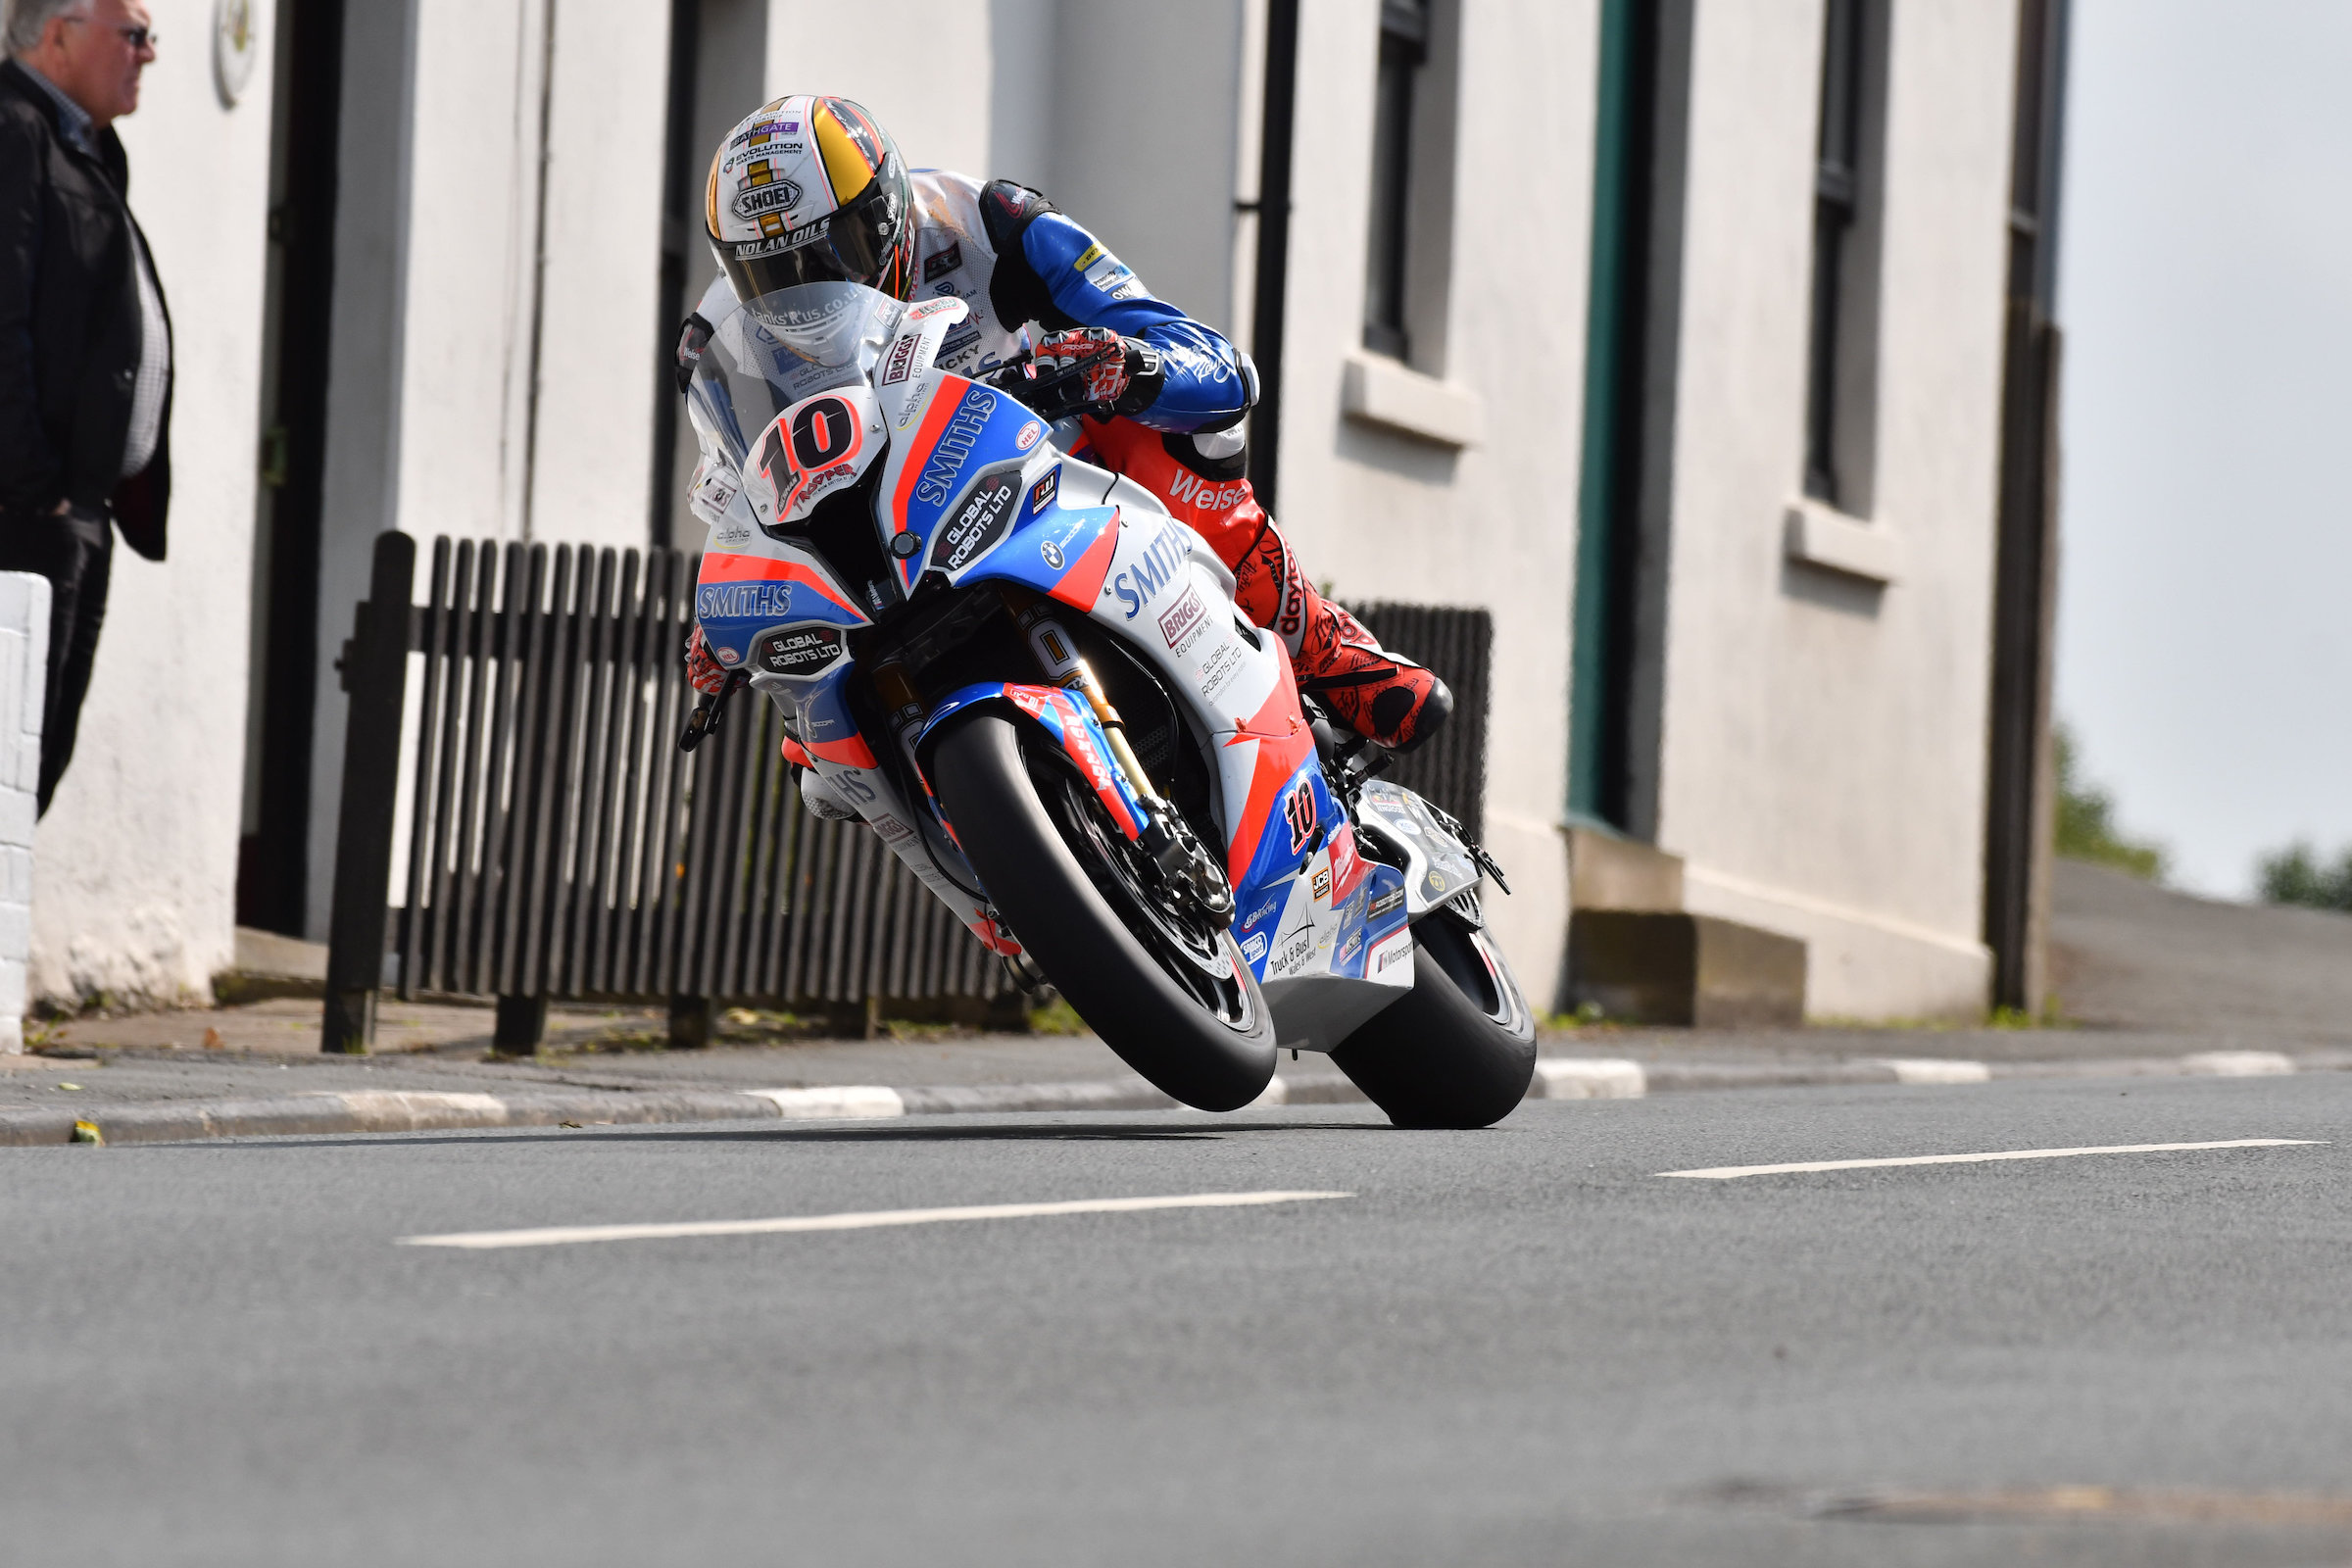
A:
[1381,391]
[1820,535]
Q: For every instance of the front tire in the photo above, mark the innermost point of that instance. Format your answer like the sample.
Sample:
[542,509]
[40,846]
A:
[1178,1005]
[1459,1049]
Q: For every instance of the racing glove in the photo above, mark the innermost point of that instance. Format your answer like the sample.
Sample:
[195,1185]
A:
[703,672]
[1091,370]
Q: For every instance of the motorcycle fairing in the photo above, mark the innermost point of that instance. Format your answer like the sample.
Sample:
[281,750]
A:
[764,586]
[840,752]
[813,447]
[1436,865]
[952,488]
[1071,725]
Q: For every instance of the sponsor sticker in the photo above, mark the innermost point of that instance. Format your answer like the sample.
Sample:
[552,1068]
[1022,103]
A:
[1384,903]
[1254,947]
[782,195]
[798,651]
[947,260]
[1267,908]
[1182,622]
[1042,493]
[984,519]
[1218,671]
[1051,554]
[890,828]
[1207,495]
[1300,812]
[1295,953]
[1322,885]
[1397,949]
[1154,569]
[902,359]
[1350,948]
[1029,434]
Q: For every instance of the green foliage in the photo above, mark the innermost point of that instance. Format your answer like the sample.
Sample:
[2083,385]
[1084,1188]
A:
[1056,1017]
[2086,829]
[2297,875]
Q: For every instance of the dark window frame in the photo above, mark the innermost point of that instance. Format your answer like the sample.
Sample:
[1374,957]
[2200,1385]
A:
[1405,48]
[1838,187]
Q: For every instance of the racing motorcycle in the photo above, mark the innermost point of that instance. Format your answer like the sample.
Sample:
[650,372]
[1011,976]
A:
[1033,683]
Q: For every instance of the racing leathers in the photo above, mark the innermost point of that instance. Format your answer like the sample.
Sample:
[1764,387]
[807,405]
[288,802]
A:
[1174,409]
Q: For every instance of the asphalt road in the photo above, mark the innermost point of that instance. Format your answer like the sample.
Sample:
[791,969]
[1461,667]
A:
[1520,1346]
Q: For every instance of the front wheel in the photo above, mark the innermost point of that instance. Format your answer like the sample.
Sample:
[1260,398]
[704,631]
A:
[1172,996]
[1459,1049]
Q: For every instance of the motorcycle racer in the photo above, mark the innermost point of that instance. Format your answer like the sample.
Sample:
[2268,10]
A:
[810,188]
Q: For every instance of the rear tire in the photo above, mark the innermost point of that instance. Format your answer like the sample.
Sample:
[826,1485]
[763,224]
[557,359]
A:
[1207,1041]
[1459,1049]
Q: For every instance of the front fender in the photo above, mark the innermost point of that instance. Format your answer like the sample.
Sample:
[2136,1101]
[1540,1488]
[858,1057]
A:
[1070,723]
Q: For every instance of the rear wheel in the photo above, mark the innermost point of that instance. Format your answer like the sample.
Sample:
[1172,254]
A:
[1164,989]
[1457,1051]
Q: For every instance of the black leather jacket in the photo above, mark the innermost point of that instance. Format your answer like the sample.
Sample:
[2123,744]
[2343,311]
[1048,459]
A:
[69,329]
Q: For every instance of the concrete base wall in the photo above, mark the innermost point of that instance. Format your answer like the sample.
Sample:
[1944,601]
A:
[23,669]
[1861,965]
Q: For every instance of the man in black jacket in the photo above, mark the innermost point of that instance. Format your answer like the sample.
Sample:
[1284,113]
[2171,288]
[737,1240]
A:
[86,345]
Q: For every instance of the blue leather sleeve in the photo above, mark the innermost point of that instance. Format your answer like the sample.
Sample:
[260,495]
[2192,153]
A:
[1203,382]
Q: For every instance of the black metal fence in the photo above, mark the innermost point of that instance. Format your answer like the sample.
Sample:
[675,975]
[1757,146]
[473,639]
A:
[558,845]
[1457,645]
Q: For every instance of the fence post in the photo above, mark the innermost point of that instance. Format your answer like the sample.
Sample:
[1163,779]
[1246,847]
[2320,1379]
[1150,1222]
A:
[375,672]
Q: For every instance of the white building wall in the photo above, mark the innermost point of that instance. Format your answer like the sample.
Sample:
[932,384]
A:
[134,875]
[1823,761]
[1382,514]
[519,387]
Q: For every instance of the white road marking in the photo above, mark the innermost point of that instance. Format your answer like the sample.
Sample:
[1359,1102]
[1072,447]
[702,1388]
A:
[1727,1172]
[2239,1063]
[561,1235]
[1589,1078]
[1935,1070]
[847,1103]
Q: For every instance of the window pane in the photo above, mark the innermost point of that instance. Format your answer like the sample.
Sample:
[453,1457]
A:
[1392,152]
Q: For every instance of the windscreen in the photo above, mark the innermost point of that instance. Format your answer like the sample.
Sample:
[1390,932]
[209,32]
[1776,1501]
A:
[772,351]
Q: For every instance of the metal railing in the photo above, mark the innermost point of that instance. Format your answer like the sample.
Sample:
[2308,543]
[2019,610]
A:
[560,845]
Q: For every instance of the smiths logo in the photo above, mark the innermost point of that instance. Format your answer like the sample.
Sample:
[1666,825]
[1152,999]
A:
[955,448]
[748,601]
[778,197]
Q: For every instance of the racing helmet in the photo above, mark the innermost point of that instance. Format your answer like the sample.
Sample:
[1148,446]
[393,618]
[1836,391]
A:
[809,189]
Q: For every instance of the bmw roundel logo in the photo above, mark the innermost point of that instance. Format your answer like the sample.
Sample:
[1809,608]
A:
[1052,554]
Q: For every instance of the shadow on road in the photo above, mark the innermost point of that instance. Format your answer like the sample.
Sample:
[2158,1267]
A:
[1066,1133]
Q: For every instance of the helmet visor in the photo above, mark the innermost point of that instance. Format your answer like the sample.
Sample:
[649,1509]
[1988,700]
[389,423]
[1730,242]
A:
[863,242]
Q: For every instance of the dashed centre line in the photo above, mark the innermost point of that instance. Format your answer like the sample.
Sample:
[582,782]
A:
[565,1235]
[1732,1172]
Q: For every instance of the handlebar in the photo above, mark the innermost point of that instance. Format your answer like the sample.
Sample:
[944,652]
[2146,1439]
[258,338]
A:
[710,711]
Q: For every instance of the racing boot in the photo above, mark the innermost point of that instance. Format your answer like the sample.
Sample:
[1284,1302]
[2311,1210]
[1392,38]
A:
[1383,696]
